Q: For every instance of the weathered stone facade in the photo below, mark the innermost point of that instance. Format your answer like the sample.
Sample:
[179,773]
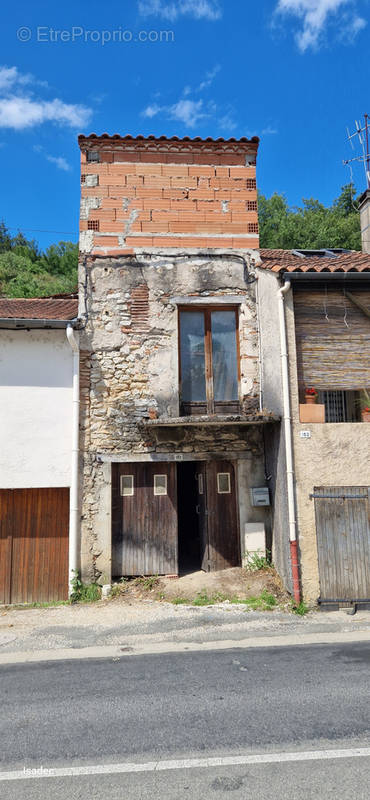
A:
[130,375]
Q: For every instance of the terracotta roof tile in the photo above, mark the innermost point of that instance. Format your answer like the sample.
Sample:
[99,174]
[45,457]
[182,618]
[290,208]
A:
[127,138]
[287,261]
[38,308]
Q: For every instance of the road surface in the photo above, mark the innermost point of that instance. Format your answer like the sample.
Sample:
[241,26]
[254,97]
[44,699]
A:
[261,723]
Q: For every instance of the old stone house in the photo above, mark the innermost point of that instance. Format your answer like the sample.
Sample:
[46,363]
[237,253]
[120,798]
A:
[171,410]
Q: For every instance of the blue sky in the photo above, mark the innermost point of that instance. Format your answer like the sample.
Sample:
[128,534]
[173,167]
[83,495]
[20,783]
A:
[294,72]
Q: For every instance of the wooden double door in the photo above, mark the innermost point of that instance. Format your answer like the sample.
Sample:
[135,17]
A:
[145,517]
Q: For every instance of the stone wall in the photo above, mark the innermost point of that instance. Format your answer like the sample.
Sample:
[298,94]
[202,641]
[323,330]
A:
[129,364]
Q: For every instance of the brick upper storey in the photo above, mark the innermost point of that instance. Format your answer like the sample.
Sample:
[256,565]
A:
[159,192]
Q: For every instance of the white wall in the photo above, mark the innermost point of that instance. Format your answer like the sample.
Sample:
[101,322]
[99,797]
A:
[35,409]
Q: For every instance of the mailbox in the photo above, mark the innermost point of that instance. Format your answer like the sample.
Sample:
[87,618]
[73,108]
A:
[260,496]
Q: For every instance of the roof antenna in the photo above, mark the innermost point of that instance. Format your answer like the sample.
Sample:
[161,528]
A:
[362,132]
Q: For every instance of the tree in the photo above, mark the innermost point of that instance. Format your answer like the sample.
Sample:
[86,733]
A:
[25,271]
[311,226]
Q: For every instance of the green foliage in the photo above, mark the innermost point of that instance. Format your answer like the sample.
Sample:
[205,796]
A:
[26,271]
[264,602]
[257,561]
[147,583]
[84,592]
[311,226]
[300,608]
[203,599]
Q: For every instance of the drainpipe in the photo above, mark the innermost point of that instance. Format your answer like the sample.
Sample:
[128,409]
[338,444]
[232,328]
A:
[73,500]
[288,442]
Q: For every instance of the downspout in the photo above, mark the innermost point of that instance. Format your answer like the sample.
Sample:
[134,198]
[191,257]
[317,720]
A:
[288,442]
[260,370]
[73,500]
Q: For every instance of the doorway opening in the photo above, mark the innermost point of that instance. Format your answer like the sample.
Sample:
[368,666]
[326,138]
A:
[188,519]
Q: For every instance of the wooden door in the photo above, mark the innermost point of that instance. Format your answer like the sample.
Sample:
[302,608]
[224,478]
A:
[343,542]
[218,516]
[34,525]
[144,510]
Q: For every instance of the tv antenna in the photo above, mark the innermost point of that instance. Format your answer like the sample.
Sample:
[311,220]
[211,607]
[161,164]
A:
[362,133]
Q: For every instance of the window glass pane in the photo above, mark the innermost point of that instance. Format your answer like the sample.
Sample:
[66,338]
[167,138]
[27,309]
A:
[160,484]
[193,377]
[224,356]
[223,483]
[127,485]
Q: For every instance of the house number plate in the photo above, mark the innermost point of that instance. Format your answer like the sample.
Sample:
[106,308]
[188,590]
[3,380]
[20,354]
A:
[305,434]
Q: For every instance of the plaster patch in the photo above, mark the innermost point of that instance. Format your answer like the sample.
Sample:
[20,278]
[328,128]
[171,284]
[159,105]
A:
[88,204]
[92,180]
[86,241]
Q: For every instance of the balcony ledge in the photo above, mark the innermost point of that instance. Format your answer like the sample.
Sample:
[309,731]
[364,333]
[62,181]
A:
[220,420]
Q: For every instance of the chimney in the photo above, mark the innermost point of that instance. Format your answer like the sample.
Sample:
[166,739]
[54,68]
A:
[158,193]
[364,206]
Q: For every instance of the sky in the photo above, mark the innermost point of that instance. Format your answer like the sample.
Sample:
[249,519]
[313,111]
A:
[293,72]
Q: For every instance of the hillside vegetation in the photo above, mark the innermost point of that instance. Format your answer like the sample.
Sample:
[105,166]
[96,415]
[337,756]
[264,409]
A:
[27,271]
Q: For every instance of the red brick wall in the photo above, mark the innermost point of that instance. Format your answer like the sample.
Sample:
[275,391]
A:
[155,193]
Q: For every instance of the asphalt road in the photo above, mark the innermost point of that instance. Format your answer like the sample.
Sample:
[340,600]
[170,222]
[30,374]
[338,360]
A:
[143,710]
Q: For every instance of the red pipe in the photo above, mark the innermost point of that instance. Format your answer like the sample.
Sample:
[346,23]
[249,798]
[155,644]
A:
[295,571]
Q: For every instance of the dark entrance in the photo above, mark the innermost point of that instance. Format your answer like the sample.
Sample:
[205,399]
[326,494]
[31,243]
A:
[188,519]
[207,516]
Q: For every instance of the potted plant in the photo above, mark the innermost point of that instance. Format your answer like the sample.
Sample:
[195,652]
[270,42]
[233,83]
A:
[310,396]
[364,403]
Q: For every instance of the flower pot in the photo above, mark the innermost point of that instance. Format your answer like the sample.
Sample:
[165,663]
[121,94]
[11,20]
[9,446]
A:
[310,399]
[365,415]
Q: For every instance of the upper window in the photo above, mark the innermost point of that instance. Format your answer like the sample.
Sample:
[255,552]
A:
[209,361]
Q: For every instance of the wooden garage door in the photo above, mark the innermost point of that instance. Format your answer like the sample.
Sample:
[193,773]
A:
[34,527]
[343,542]
[144,512]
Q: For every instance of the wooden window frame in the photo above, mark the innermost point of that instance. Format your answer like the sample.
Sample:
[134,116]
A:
[210,407]
[124,493]
[157,490]
[222,475]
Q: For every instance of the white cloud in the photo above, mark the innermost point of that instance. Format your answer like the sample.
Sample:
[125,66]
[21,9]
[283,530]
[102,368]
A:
[269,131]
[316,15]
[198,9]
[21,109]
[227,122]
[25,112]
[187,111]
[208,80]
[60,162]
[11,77]
[205,83]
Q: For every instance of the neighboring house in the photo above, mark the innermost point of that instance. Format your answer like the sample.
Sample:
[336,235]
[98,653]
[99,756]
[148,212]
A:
[328,338]
[37,369]
[172,426]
